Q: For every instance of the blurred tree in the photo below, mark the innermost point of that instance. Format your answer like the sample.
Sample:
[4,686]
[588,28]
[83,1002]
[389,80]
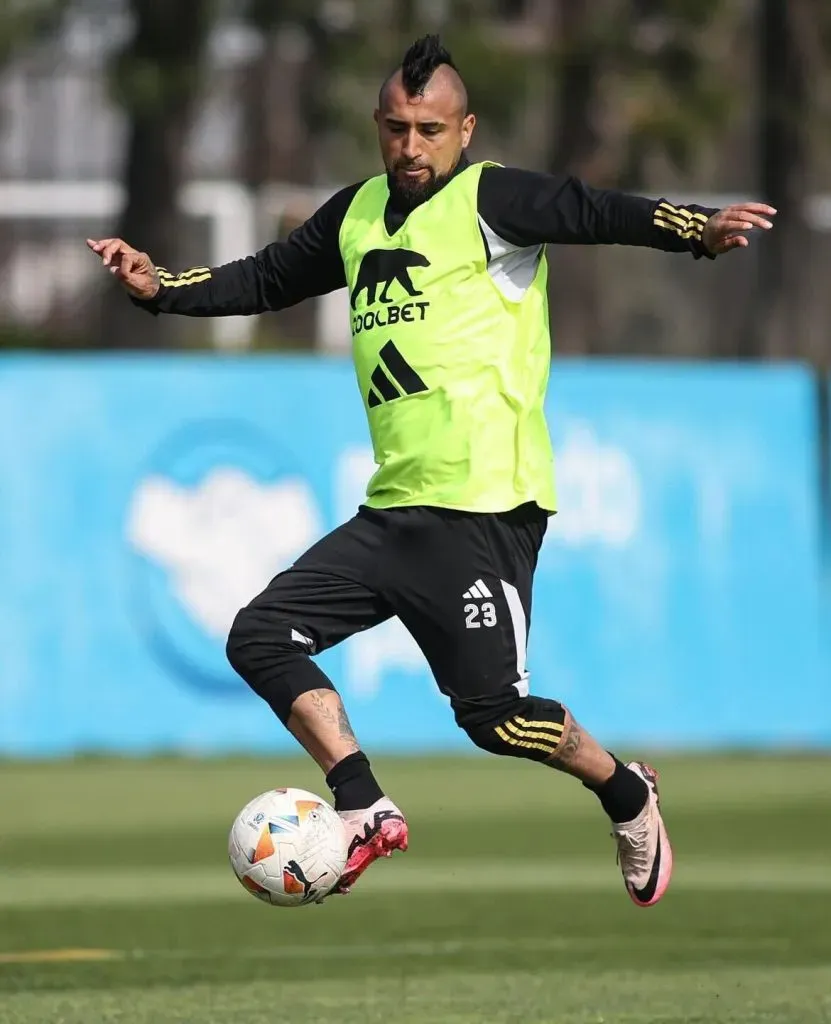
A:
[633,81]
[23,22]
[275,137]
[500,79]
[23,25]
[791,59]
[574,143]
[673,81]
[284,106]
[158,79]
[340,52]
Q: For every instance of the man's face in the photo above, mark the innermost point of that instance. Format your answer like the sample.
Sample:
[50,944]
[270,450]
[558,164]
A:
[422,137]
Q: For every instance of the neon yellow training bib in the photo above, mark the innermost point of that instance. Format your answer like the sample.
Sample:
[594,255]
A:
[453,374]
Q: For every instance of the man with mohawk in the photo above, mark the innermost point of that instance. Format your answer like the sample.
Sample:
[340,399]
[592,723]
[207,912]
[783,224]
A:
[445,263]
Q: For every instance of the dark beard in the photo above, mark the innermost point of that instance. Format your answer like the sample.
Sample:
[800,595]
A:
[407,194]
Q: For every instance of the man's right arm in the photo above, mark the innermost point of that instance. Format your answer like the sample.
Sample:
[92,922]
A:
[282,274]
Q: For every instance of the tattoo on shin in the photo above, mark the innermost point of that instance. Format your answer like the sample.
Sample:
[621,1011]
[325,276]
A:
[321,710]
[333,713]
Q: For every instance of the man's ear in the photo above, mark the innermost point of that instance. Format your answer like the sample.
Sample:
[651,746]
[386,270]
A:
[468,125]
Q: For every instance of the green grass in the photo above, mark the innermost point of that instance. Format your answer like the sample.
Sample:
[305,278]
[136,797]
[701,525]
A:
[508,907]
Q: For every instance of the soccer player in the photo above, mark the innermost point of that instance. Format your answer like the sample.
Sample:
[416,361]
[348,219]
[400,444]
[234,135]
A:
[445,264]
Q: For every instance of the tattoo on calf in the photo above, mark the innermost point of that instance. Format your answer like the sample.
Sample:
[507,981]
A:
[563,757]
[321,710]
[346,733]
[332,713]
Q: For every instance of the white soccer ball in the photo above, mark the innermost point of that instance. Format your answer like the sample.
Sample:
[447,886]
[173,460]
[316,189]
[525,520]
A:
[288,847]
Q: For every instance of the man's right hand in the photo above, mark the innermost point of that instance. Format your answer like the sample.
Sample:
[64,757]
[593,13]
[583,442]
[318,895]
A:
[135,270]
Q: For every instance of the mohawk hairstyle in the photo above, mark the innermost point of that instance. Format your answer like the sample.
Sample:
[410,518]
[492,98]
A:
[421,61]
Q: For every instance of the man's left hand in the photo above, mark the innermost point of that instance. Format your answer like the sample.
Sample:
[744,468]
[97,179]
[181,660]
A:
[728,228]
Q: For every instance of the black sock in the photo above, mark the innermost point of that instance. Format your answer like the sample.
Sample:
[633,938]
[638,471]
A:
[353,784]
[624,795]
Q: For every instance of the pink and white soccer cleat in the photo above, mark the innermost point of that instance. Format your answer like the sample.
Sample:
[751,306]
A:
[373,833]
[643,849]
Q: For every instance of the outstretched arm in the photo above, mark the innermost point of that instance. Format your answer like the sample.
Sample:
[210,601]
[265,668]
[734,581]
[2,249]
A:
[282,274]
[527,208]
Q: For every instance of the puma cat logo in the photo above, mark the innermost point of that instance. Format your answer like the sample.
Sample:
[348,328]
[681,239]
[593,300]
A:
[382,267]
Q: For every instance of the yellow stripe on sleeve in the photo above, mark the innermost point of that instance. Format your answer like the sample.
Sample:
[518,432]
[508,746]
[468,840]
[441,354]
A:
[176,282]
[193,276]
[685,230]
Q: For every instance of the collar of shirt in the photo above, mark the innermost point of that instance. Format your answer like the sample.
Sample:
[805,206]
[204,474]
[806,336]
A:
[395,215]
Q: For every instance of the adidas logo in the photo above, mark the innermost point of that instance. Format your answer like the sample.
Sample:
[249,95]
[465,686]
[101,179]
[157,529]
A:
[400,373]
[477,592]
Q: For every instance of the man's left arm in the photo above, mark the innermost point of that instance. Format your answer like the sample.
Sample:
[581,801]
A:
[528,208]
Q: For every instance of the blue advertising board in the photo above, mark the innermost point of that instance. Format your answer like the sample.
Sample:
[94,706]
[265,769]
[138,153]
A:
[145,499]
[825,503]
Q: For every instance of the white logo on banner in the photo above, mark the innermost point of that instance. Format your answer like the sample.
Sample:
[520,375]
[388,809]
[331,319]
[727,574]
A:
[598,492]
[371,655]
[221,541]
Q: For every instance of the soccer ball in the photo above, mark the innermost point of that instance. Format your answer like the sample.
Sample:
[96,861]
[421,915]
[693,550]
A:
[288,847]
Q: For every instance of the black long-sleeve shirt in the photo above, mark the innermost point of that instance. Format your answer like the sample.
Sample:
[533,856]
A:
[518,210]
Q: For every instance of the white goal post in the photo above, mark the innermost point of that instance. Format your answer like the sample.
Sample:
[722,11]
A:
[228,207]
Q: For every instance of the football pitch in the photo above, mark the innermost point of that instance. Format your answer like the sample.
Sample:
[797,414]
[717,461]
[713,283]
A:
[117,902]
